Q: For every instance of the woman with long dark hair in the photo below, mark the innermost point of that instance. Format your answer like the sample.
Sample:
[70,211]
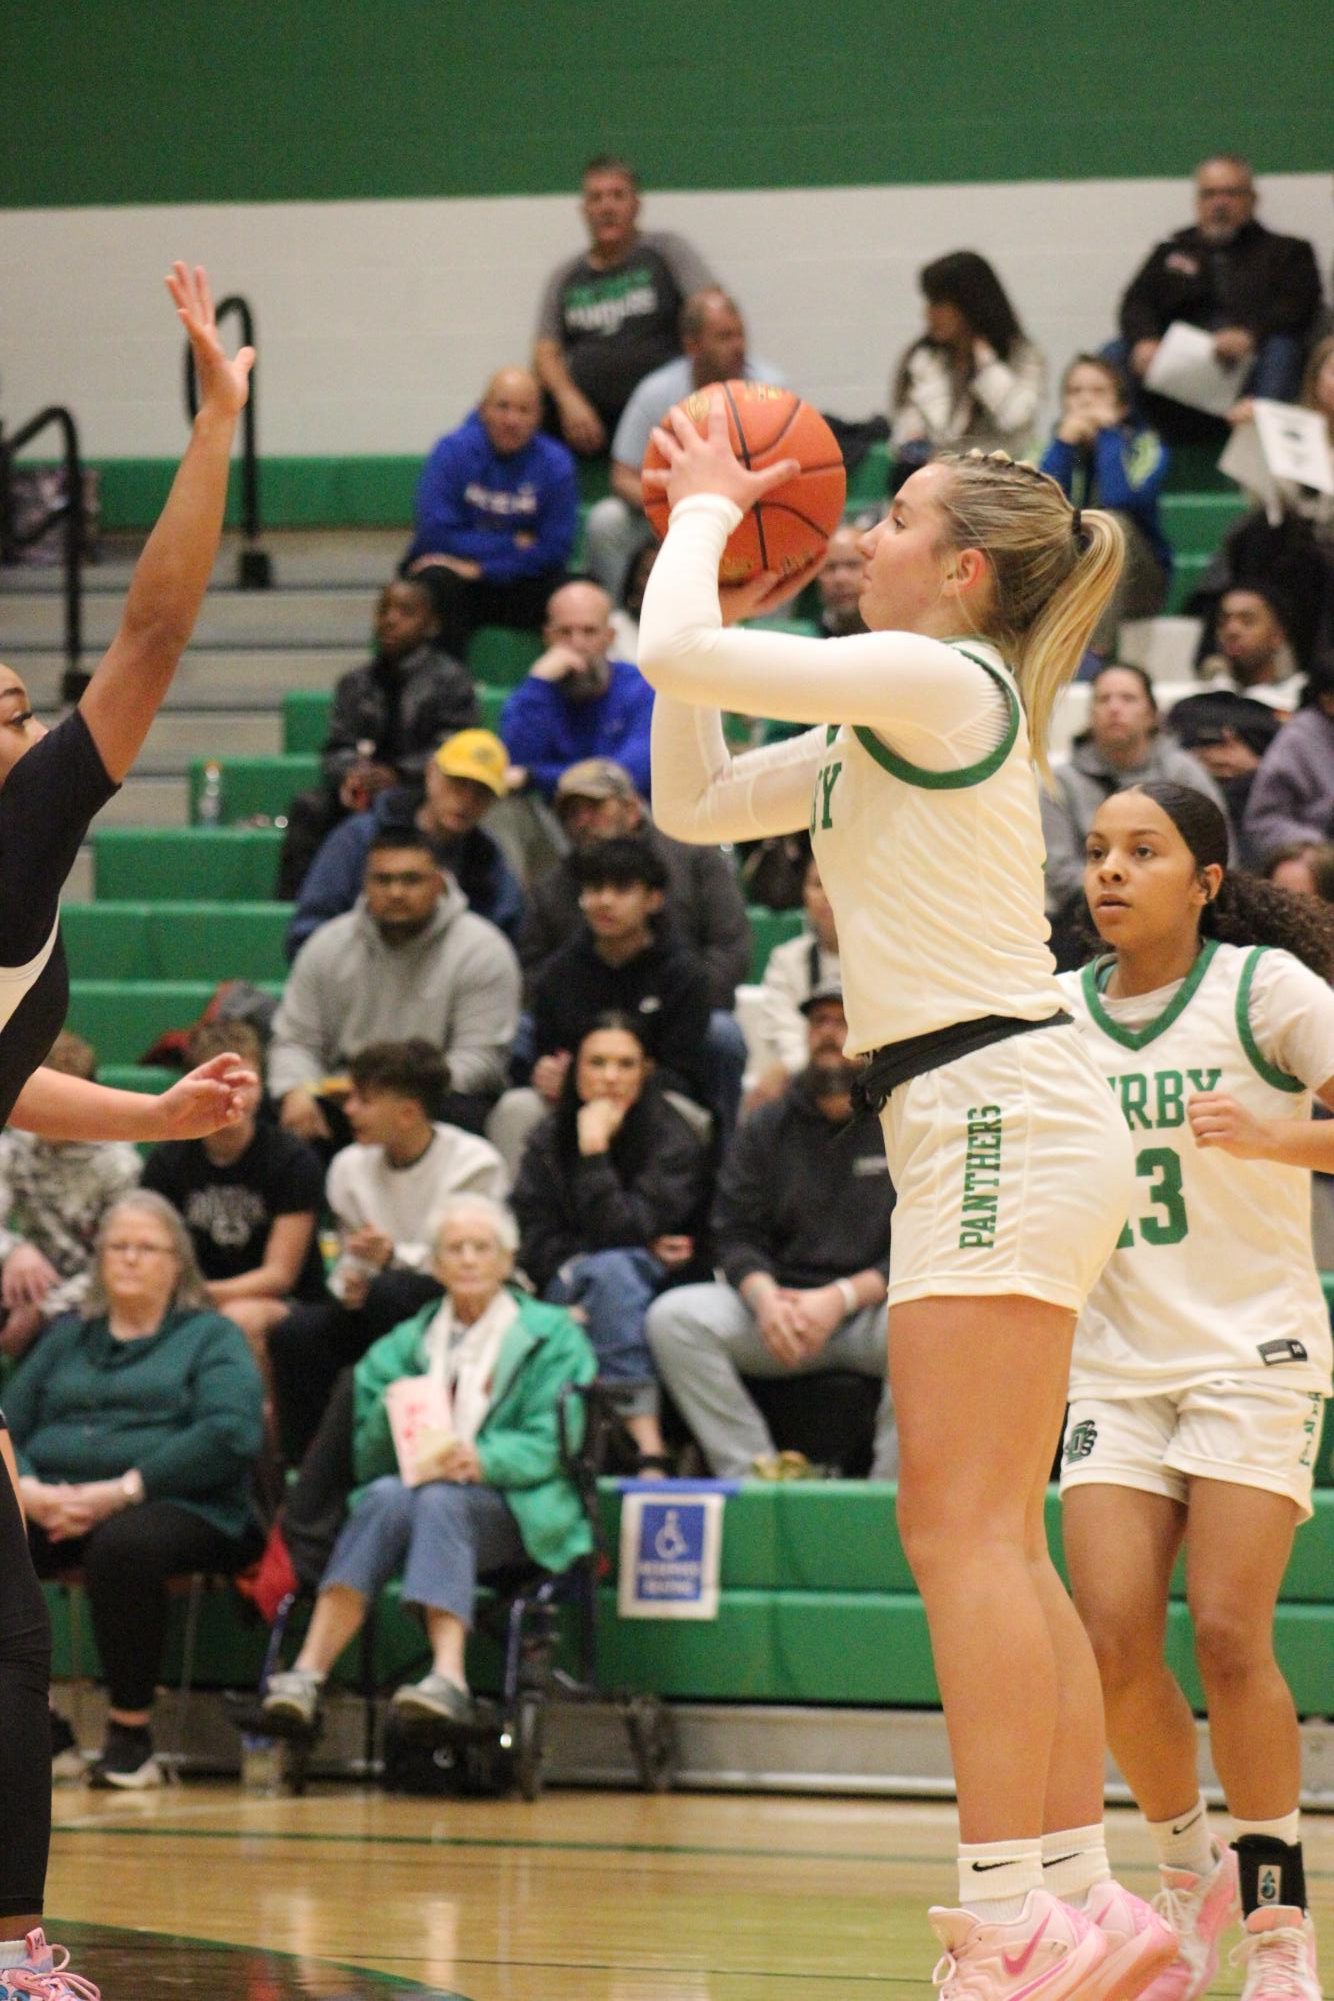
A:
[1202,1358]
[973,380]
[610,1195]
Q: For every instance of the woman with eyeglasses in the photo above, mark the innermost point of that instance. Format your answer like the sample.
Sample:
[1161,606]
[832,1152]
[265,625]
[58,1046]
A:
[159,1485]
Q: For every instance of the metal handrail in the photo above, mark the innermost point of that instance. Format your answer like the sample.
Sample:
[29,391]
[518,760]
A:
[68,510]
[254,571]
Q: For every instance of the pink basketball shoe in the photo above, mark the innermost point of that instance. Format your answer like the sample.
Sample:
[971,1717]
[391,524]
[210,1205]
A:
[1278,1950]
[1047,1953]
[1143,1944]
[41,1975]
[1199,1909]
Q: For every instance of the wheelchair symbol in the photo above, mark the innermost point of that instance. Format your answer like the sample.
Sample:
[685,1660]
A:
[669,1543]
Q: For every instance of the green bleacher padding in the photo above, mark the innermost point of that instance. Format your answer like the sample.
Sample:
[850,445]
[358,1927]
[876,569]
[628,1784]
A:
[594,481]
[767,929]
[1195,523]
[501,658]
[166,864]
[306,719]
[255,785]
[136,1077]
[1186,574]
[868,484]
[1194,469]
[176,940]
[842,1536]
[122,1019]
[816,1606]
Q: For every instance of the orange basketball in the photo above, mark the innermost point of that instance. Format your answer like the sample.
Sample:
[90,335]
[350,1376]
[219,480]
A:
[794,521]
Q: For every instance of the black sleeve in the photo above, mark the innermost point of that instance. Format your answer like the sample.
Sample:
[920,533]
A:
[452,706]
[541,933]
[546,1234]
[1141,304]
[744,1210]
[1292,298]
[45,806]
[664,1196]
[347,724]
[681,1032]
[724,929]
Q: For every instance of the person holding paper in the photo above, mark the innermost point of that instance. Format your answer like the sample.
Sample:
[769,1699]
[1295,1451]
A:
[481,1485]
[1288,540]
[1255,291]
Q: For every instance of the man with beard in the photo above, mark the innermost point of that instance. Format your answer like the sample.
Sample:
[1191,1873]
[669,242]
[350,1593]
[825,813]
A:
[1255,291]
[801,1233]
[578,703]
[410,960]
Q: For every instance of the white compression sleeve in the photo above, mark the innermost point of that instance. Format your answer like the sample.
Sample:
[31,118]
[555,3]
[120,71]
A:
[702,793]
[927,699]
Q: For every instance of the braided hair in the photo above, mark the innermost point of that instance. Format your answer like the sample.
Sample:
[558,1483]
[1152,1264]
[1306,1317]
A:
[1053,570]
[1246,910]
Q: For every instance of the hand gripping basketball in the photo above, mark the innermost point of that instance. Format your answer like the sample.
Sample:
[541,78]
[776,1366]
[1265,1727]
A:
[767,451]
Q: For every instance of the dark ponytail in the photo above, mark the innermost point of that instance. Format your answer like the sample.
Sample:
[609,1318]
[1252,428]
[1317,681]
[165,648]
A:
[1246,909]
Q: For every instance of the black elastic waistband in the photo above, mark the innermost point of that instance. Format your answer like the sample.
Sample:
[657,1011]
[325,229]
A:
[898,1062]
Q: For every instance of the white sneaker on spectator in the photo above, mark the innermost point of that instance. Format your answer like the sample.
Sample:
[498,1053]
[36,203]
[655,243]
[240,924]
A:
[293,1696]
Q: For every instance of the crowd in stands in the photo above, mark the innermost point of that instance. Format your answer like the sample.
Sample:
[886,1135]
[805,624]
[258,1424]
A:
[512,1132]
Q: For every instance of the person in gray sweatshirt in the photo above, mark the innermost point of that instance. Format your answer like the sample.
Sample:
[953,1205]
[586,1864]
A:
[410,959]
[1292,796]
[1123,746]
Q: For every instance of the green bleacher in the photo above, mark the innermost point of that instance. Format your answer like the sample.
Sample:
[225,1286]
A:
[817,1605]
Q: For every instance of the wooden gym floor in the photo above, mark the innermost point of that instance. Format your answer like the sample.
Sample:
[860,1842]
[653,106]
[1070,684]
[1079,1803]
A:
[349,1895]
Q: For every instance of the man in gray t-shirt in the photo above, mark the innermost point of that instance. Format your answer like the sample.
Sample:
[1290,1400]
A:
[713,341]
[610,316]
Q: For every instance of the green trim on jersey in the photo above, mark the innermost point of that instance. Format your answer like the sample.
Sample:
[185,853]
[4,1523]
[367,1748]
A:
[1260,1063]
[948,781]
[1137,1038]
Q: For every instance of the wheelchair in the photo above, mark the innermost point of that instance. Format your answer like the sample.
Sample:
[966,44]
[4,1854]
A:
[504,1748]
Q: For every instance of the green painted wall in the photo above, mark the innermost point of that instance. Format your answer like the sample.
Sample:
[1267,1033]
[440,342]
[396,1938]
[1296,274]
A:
[115,101]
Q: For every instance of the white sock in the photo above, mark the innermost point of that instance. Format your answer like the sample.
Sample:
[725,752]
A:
[1185,1841]
[13,1951]
[1288,1828]
[1073,1860]
[995,1877]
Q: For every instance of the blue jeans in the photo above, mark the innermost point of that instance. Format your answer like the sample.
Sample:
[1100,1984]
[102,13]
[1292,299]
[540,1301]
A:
[442,1536]
[614,1290]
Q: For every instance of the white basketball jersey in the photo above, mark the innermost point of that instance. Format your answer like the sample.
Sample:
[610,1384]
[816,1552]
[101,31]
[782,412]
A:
[936,877]
[1213,1274]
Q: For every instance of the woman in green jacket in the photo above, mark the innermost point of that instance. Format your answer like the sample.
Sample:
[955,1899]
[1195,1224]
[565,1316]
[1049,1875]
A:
[137,1427]
[476,1486]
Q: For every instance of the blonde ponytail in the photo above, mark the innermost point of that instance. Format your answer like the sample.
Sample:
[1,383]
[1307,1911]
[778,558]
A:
[1053,572]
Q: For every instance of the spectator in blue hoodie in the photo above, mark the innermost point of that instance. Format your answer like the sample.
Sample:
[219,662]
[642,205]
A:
[1103,458]
[464,778]
[497,511]
[577,702]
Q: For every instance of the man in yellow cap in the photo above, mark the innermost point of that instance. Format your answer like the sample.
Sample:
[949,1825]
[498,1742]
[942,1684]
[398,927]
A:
[464,779]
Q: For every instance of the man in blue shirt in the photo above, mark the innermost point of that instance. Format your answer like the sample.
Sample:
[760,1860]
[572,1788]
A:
[496,515]
[577,702]
[713,342]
